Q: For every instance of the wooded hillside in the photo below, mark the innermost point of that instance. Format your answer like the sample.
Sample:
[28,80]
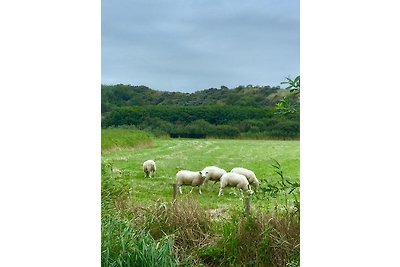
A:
[245,111]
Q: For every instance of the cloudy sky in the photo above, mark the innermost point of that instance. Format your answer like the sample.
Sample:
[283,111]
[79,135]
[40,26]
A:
[188,45]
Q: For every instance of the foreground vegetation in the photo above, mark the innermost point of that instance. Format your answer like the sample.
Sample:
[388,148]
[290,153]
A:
[141,226]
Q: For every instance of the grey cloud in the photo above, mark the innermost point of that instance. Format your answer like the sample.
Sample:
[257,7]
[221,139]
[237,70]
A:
[191,45]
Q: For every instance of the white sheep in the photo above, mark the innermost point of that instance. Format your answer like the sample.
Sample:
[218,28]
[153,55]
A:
[149,168]
[234,180]
[192,178]
[213,173]
[251,177]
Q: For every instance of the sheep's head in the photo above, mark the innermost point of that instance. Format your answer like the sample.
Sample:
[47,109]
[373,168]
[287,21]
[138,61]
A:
[203,174]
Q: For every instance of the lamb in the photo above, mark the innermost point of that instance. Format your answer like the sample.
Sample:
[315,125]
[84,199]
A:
[192,178]
[149,168]
[214,173]
[251,177]
[235,180]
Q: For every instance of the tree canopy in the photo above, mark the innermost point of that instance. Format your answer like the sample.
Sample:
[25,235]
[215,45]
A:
[245,111]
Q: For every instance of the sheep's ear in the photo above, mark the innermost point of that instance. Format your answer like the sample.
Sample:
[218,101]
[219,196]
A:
[200,173]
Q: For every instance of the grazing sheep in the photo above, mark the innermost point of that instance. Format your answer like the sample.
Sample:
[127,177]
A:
[251,177]
[235,180]
[213,173]
[190,178]
[149,168]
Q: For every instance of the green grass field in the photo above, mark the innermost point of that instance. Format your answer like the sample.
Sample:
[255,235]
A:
[120,138]
[197,230]
[172,155]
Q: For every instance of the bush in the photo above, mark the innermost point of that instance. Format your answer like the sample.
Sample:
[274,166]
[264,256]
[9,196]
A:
[157,126]
[226,131]
[213,114]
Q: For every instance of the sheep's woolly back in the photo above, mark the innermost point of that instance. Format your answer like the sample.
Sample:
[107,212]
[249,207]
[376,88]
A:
[149,165]
[213,173]
[232,179]
[250,175]
[149,168]
[185,177]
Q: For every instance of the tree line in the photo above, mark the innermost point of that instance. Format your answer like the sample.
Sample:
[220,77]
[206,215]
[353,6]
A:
[206,121]
[120,95]
[245,111]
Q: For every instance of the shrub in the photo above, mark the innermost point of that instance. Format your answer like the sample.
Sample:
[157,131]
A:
[226,131]
[156,126]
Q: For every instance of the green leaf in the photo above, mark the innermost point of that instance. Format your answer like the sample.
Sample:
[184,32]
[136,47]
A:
[294,188]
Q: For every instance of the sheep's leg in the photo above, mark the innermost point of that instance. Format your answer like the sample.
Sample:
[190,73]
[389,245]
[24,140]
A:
[200,190]
[191,190]
[180,189]
[221,190]
[241,193]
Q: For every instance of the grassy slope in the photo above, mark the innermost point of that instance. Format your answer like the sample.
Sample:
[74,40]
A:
[113,138]
[172,155]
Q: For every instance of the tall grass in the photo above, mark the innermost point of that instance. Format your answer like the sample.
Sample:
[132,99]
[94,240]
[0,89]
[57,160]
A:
[122,245]
[190,225]
[115,186]
[261,239]
[118,138]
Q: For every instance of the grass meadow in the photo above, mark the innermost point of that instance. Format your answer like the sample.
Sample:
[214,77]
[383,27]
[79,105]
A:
[120,138]
[199,229]
[172,155]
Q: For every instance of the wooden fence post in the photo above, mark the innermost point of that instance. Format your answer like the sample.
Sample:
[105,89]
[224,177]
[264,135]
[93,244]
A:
[175,189]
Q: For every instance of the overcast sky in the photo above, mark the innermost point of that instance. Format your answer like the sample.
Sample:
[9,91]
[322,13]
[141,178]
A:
[188,45]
